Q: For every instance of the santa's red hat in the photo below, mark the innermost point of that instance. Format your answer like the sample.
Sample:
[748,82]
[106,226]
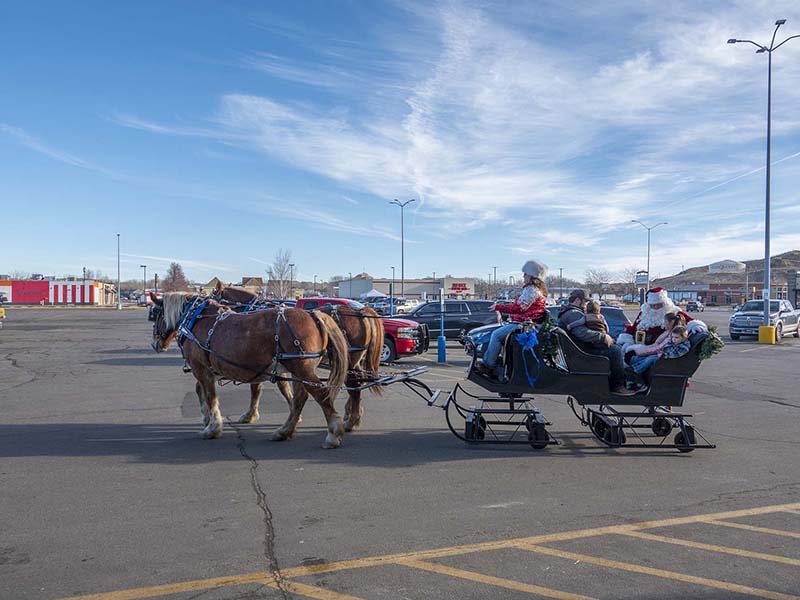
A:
[657,295]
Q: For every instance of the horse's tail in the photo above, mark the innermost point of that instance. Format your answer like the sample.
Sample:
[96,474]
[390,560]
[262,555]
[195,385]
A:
[374,325]
[338,352]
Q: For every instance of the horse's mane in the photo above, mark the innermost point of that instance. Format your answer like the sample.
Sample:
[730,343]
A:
[173,308]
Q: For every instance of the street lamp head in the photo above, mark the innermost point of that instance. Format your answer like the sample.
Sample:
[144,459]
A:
[780,22]
[760,50]
[732,41]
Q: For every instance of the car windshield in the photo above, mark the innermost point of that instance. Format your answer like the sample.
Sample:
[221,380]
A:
[354,304]
[758,305]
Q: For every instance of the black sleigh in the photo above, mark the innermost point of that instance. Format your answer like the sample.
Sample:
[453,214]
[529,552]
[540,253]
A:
[510,416]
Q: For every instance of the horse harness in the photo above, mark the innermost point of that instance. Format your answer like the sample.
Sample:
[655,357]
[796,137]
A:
[338,318]
[192,312]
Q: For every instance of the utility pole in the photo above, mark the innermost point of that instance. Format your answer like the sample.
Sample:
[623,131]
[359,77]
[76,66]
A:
[402,206]
[119,290]
[649,229]
[761,48]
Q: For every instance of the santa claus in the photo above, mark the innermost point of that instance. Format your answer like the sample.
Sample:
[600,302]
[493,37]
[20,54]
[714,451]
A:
[650,320]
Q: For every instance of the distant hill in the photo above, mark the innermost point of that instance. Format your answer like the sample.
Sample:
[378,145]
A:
[780,265]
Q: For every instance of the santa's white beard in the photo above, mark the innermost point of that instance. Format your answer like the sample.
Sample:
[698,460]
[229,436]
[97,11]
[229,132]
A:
[655,318]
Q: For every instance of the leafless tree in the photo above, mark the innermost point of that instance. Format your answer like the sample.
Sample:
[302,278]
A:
[20,275]
[629,278]
[175,280]
[597,280]
[279,272]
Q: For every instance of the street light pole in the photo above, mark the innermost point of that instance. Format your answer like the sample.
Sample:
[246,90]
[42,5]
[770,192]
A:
[402,206]
[119,290]
[315,285]
[391,296]
[155,283]
[291,279]
[144,282]
[350,287]
[769,50]
[560,282]
[649,229]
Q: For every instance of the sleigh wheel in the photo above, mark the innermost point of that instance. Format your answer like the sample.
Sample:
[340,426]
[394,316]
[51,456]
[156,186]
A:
[681,441]
[538,436]
[661,427]
[614,436]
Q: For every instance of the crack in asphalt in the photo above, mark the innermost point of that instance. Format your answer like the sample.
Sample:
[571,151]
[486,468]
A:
[15,364]
[261,501]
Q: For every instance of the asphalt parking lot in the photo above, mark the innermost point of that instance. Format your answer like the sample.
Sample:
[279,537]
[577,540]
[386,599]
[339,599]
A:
[108,492]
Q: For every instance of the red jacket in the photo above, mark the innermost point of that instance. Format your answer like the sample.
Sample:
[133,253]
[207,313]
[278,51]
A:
[535,311]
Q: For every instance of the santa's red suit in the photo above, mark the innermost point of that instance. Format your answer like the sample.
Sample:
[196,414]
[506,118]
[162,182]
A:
[651,320]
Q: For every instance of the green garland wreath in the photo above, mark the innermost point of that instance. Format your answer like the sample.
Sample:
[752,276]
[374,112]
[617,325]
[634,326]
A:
[712,345]
[547,339]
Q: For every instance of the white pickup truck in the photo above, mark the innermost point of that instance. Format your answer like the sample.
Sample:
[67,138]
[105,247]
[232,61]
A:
[750,316]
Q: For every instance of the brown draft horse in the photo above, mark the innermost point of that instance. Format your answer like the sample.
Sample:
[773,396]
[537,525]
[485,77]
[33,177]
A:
[243,348]
[363,330]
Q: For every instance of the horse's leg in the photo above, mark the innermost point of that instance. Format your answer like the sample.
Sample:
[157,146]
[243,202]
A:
[335,426]
[203,409]
[214,427]
[352,410]
[297,400]
[287,390]
[251,416]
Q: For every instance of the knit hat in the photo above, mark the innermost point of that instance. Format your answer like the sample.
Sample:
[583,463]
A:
[534,268]
[575,294]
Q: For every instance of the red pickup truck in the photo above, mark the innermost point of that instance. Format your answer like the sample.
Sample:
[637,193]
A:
[401,337]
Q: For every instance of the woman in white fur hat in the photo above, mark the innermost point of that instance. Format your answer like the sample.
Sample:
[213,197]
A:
[529,305]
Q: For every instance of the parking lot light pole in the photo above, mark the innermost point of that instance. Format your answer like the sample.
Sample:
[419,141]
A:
[391,296]
[402,206]
[649,229]
[560,282]
[315,285]
[350,287]
[144,282]
[119,290]
[761,48]
[291,279]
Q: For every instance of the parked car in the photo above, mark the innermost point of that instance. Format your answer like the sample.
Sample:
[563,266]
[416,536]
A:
[695,306]
[460,316]
[401,337]
[747,320]
[405,305]
[479,337]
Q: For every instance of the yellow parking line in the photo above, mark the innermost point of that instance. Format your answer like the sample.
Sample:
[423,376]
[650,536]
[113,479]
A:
[508,584]
[713,548]
[310,591]
[704,581]
[780,532]
[359,563]
[177,588]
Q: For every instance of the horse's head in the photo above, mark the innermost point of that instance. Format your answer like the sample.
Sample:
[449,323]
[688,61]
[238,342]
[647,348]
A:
[166,314]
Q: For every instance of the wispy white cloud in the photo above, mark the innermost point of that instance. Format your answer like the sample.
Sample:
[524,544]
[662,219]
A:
[499,122]
[29,141]
[183,261]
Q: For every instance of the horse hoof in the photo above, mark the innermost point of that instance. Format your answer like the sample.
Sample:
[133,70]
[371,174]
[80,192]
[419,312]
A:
[211,434]
[331,442]
[350,425]
[249,418]
[279,436]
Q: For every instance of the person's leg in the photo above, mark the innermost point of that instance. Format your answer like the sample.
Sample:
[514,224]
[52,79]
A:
[617,365]
[640,364]
[499,335]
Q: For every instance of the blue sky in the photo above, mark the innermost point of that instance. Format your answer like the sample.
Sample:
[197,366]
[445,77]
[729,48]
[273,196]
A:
[215,133]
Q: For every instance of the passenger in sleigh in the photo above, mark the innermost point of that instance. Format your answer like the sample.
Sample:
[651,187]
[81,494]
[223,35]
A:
[676,345]
[528,306]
